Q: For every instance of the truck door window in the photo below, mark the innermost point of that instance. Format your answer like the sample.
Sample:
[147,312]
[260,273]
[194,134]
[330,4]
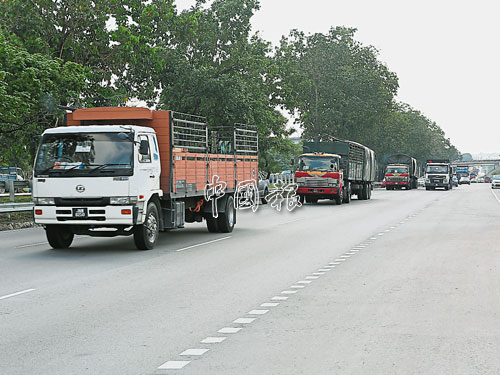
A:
[144,158]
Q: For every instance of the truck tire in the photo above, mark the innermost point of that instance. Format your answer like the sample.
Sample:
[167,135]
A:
[363,195]
[212,225]
[146,235]
[347,193]
[58,236]
[338,200]
[226,219]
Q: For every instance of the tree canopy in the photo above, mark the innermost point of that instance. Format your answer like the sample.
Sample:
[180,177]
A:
[204,61]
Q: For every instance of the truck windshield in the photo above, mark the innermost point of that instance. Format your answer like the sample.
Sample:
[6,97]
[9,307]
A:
[437,169]
[318,163]
[85,154]
[397,169]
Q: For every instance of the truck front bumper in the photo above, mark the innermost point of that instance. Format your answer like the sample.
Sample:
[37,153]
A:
[396,183]
[96,216]
[328,192]
[436,185]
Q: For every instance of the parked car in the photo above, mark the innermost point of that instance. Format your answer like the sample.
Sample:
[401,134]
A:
[480,179]
[487,179]
[495,182]
[473,180]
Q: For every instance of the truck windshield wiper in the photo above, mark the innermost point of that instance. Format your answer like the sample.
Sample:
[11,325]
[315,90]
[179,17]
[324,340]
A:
[102,166]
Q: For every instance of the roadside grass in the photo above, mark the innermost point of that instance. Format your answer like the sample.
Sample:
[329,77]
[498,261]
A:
[17,199]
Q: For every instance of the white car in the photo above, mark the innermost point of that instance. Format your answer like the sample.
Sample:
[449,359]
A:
[495,182]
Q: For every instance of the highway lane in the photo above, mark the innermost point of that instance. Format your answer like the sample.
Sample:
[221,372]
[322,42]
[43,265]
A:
[102,307]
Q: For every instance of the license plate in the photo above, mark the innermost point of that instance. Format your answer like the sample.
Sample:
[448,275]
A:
[79,213]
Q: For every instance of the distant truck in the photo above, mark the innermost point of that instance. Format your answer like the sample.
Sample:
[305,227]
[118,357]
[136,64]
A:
[133,171]
[438,174]
[335,170]
[9,174]
[401,171]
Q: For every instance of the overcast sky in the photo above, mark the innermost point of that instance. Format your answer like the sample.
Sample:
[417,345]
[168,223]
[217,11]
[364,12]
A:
[445,53]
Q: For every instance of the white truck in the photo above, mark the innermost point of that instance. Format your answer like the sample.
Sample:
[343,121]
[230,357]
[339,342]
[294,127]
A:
[132,171]
[438,174]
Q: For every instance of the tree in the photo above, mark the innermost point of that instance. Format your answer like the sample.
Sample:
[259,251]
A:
[337,85]
[31,87]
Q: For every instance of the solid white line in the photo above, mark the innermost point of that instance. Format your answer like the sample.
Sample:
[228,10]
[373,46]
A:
[31,245]
[204,243]
[17,293]
[498,200]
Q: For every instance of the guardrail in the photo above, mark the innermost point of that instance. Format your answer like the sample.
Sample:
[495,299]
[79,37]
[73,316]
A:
[8,208]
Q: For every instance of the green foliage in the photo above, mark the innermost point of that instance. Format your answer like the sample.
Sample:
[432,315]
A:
[31,87]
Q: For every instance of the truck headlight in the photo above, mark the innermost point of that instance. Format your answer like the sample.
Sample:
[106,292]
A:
[44,201]
[119,201]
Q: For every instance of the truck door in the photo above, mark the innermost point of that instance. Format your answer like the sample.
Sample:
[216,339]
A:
[148,166]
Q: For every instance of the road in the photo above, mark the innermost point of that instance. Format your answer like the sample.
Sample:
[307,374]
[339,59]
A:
[406,283]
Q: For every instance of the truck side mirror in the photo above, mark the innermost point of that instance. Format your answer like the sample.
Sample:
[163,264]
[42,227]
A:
[144,147]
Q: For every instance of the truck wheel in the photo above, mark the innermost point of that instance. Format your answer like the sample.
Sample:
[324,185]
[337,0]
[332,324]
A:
[146,235]
[212,225]
[363,195]
[347,193]
[338,200]
[58,236]
[263,199]
[226,219]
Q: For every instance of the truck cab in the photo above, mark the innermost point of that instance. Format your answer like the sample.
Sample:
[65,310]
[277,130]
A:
[397,176]
[98,175]
[438,174]
[318,176]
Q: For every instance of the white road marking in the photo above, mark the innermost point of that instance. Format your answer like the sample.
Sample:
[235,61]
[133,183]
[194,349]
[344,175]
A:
[297,286]
[317,273]
[289,292]
[173,365]
[393,227]
[351,252]
[204,243]
[194,352]
[291,221]
[498,200]
[213,340]
[257,312]
[270,304]
[17,293]
[340,260]
[244,320]
[229,330]
[330,266]
[373,238]
[279,298]
[381,234]
[32,245]
[324,270]
[387,230]
[354,251]
[345,256]
[304,282]
[312,277]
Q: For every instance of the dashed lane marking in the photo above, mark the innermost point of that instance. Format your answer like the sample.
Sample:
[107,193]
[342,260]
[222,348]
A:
[312,277]
[194,352]
[213,340]
[297,286]
[304,282]
[269,304]
[229,330]
[173,365]
[258,312]
[17,293]
[289,292]
[204,243]
[244,320]
[279,298]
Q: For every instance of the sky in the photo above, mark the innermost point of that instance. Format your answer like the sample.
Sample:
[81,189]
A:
[445,53]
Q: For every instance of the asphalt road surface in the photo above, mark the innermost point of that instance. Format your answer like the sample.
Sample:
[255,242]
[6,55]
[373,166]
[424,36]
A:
[406,283]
